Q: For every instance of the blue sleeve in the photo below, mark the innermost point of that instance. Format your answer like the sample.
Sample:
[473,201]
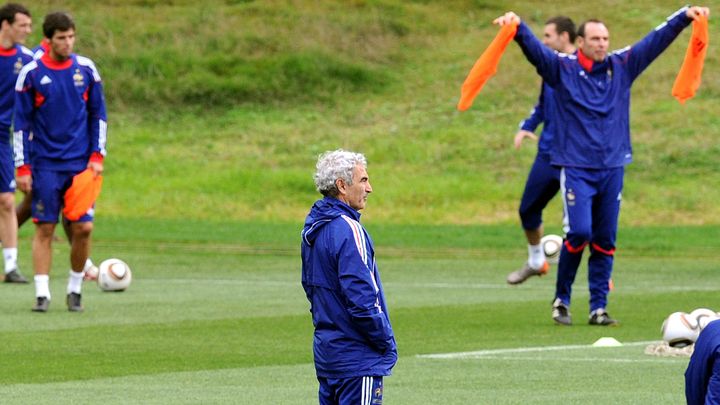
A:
[702,376]
[545,60]
[537,116]
[22,119]
[97,116]
[361,291]
[712,395]
[640,55]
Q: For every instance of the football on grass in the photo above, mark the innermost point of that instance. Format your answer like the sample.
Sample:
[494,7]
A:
[703,316]
[114,275]
[680,329]
[552,244]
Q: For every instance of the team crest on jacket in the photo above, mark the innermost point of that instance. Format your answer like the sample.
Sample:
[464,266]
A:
[570,197]
[18,66]
[79,78]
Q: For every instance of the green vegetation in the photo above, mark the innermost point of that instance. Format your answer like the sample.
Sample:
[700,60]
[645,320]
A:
[220,317]
[219,109]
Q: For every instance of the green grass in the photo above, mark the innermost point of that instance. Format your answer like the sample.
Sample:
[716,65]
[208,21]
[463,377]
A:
[219,109]
[217,112]
[221,317]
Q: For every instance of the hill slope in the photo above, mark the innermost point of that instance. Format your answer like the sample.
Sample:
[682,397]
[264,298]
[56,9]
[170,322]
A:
[220,110]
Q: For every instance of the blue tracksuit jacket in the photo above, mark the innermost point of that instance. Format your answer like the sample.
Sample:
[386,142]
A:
[702,377]
[11,62]
[594,106]
[63,105]
[353,336]
[542,113]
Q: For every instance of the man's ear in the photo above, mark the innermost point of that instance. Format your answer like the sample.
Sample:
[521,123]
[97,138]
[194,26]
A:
[341,186]
[566,37]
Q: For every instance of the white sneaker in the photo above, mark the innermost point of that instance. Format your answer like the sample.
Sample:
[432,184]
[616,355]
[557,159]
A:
[518,276]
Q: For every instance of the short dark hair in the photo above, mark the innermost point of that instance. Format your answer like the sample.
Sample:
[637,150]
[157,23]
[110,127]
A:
[8,12]
[57,21]
[581,29]
[563,24]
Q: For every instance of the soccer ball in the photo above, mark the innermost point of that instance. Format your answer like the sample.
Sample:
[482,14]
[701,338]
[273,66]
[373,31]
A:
[680,329]
[703,316]
[91,273]
[552,244]
[114,275]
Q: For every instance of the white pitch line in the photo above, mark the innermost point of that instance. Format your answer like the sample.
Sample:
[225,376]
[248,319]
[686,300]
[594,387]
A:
[493,352]
[586,360]
[504,286]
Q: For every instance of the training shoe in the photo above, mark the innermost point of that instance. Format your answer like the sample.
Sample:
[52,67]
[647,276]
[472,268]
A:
[560,313]
[602,318]
[14,276]
[41,305]
[518,276]
[73,302]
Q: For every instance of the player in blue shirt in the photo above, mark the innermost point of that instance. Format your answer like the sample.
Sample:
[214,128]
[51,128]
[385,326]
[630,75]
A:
[354,345]
[16,25]
[702,377]
[543,182]
[592,143]
[24,208]
[60,98]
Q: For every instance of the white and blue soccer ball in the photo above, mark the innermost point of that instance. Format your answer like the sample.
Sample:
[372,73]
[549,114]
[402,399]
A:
[114,275]
[680,329]
[704,316]
[552,245]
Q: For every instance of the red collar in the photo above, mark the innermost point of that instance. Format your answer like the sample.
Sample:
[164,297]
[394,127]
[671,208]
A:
[53,64]
[584,61]
[8,52]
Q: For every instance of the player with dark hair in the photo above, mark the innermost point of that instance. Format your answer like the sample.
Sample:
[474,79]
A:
[354,345]
[592,146]
[24,208]
[60,97]
[543,181]
[15,26]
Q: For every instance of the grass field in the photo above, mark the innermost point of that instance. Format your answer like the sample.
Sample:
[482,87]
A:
[217,112]
[216,314]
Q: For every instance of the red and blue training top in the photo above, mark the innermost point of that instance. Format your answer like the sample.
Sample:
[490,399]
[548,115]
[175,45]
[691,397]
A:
[592,108]
[63,106]
[12,61]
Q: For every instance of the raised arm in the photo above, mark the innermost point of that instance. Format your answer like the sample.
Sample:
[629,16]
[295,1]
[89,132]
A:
[640,55]
[545,60]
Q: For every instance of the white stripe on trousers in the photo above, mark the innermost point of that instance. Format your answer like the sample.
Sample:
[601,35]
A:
[566,214]
[366,392]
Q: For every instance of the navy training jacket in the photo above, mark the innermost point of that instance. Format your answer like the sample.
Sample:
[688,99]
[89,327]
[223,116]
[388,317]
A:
[353,336]
[702,377]
[542,113]
[62,105]
[592,108]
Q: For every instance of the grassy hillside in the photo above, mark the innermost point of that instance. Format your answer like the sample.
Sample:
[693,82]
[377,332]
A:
[219,110]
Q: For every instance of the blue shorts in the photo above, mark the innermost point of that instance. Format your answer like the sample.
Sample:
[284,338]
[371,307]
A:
[48,192]
[356,390]
[542,184]
[7,164]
